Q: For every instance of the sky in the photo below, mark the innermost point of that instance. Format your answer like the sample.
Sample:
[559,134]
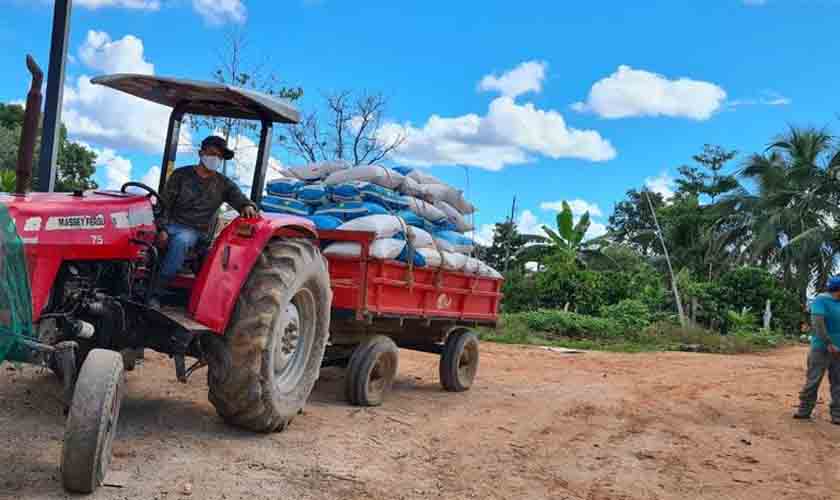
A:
[542,101]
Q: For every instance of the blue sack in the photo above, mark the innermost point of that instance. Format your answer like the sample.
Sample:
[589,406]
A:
[383,196]
[404,170]
[325,222]
[419,260]
[285,188]
[278,205]
[348,191]
[412,219]
[351,210]
[457,241]
[445,225]
[312,194]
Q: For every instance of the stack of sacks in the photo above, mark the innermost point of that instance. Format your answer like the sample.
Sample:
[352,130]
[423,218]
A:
[411,212]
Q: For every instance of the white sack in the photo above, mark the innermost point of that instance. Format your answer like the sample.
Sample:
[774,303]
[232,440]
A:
[410,187]
[423,178]
[454,216]
[431,255]
[452,196]
[473,266]
[424,209]
[384,226]
[375,174]
[453,261]
[420,238]
[383,249]
[317,171]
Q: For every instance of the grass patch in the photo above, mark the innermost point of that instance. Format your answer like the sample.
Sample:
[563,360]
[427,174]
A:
[576,331]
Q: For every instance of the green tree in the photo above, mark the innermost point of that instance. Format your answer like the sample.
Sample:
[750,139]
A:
[503,252]
[76,163]
[632,222]
[792,215]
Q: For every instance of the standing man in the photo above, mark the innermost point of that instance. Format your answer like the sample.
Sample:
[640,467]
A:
[825,354]
[191,198]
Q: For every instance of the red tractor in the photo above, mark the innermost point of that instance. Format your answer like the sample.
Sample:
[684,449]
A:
[255,306]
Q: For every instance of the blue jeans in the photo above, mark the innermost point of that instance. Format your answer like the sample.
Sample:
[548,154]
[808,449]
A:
[181,240]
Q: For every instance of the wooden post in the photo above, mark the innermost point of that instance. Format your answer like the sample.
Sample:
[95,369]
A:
[768,315]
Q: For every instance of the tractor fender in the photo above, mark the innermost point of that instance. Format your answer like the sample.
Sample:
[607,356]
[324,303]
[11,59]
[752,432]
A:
[229,262]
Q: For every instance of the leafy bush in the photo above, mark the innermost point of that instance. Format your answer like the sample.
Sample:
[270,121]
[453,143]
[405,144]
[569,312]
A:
[572,325]
[633,315]
[750,287]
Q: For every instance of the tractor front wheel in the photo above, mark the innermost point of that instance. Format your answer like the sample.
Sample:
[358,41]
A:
[261,374]
[92,422]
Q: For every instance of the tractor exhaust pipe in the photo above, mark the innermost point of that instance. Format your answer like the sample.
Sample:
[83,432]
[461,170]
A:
[31,119]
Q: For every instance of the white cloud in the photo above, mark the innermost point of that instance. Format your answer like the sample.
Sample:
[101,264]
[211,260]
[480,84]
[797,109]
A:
[241,168]
[662,184]
[218,12]
[128,4]
[578,207]
[631,92]
[527,77]
[766,98]
[151,177]
[107,117]
[484,234]
[509,134]
[116,169]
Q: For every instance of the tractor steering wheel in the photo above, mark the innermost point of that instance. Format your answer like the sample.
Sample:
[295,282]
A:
[157,206]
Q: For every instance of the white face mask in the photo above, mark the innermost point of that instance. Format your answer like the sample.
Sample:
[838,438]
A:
[213,163]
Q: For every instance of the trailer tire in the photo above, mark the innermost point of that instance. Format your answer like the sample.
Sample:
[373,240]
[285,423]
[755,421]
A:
[459,361]
[372,370]
[261,374]
[92,421]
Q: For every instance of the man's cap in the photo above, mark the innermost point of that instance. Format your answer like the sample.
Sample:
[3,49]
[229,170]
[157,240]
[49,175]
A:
[833,284]
[218,142]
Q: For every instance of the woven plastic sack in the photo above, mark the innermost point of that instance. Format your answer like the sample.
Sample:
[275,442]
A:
[376,174]
[317,171]
[453,261]
[15,294]
[432,256]
[454,217]
[450,241]
[420,238]
[452,196]
[424,209]
[313,194]
[278,205]
[418,175]
[325,222]
[285,188]
[348,191]
[383,226]
[350,210]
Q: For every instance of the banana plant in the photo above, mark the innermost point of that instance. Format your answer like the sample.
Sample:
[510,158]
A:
[566,239]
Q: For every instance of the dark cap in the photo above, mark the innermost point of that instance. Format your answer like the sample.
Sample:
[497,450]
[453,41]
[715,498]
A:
[218,142]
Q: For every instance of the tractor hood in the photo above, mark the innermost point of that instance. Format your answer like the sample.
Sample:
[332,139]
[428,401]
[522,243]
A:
[59,227]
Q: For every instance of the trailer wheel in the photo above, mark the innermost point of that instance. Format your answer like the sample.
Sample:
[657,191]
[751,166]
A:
[261,374]
[372,370]
[92,422]
[459,361]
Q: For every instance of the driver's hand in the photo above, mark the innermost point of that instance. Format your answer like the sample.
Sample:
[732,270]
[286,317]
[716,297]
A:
[163,239]
[249,212]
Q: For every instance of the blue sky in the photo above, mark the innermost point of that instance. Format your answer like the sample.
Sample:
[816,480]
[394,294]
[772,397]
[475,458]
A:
[543,100]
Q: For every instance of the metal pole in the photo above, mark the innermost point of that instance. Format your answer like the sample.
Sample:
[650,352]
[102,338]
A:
[263,154]
[55,93]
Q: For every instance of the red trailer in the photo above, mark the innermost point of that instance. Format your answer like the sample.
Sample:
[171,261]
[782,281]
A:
[380,305]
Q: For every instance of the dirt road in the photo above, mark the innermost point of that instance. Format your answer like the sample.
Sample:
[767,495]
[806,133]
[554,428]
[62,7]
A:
[538,424]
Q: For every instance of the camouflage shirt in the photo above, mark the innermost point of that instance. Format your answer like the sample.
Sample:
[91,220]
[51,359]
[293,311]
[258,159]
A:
[192,200]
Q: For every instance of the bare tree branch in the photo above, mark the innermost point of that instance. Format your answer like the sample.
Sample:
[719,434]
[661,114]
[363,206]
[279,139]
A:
[353,131]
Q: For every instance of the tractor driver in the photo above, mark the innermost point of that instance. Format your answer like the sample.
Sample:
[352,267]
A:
[191,198]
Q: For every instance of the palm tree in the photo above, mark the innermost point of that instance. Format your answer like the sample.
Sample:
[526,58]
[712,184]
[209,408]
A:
[566,240]
[792,216]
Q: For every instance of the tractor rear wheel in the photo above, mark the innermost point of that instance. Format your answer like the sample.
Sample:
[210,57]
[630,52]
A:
[372,370]
[459,361]
[261,374]
[92,422]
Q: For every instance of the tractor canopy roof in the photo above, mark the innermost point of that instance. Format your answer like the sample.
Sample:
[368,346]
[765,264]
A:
[203,98]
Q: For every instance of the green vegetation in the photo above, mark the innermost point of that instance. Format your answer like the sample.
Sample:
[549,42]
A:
[747,238]
[76,163]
